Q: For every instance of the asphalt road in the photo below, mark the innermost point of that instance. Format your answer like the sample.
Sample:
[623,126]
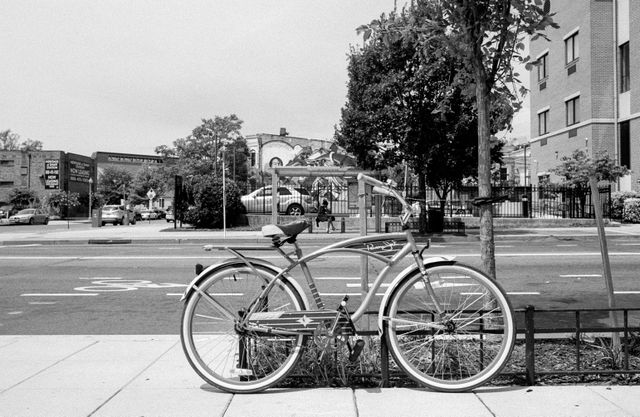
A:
[135,289]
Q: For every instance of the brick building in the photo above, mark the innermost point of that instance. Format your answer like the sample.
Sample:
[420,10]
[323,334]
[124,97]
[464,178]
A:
[47,172]
[585,93]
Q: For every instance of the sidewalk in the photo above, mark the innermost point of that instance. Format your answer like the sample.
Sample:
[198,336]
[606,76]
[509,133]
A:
[143,375]
[61,232]
[149,376]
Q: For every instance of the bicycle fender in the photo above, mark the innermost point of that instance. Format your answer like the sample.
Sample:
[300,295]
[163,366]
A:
[212,269]
[435,260]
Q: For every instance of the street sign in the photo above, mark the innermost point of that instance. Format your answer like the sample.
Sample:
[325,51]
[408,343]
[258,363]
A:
[151,194]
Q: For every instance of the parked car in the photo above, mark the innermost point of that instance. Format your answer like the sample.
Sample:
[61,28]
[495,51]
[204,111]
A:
[113,214]
[293,201]
[29,216]
[170,216]
[161,213]
[148,215]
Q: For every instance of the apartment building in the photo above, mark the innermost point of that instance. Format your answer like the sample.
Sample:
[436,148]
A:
[585,90]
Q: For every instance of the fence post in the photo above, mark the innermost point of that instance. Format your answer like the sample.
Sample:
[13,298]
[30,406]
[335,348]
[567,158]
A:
[384,360]
[529,339]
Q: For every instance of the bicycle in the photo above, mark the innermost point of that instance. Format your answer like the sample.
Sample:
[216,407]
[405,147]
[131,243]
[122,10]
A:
[246,321]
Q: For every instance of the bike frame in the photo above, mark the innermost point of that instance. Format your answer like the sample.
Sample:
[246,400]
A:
[365,246]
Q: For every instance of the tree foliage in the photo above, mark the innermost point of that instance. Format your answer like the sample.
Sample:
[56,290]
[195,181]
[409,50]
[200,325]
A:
[114,184]
[23,197]
[403,106]
[577,169]
[59,201]
[200,162]
[488,36]
[10,141]
[201,152]
[206,211]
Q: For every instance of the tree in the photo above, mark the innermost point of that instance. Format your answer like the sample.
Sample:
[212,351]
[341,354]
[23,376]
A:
[580,170]
[114,184]
[200,157]
[403,107]
[22,198]
[10,141]
[31,145]
[206,211]
[160,179]
[60,201]
[487,35]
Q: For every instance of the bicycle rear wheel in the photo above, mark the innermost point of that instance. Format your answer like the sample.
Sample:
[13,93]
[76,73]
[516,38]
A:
[464,347]
[219,350]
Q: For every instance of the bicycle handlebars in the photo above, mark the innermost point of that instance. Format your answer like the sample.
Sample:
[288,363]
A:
[380,187]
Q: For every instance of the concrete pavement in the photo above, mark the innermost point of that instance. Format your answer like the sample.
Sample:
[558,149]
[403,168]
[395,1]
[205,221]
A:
[132,375]
[62,232]
[149,376]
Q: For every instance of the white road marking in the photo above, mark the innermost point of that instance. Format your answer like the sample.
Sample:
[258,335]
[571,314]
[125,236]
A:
[370,284]
[628,244]
[566,246]
[42,303]
[626,292]
[581,276]
[523,293]
[335,256]
[58,294]
[336,278]
[14,313]
[340,294]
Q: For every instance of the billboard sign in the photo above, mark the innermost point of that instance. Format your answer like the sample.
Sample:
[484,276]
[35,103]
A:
[51,174]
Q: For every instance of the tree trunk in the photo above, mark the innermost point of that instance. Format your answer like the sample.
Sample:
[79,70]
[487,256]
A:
[487,244]
[422,217]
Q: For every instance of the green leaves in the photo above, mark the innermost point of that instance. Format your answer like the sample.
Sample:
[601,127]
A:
[579,167]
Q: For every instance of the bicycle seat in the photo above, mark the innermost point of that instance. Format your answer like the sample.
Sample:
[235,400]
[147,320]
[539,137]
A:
[288,230]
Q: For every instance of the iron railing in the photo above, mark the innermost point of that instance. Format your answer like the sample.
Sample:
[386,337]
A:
[522,202]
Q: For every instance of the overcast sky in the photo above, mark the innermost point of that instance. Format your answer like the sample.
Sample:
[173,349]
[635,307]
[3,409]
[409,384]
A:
[129,75]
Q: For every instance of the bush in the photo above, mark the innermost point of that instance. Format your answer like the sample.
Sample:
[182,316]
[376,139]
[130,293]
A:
[206,211]
[617,202]
[631,210]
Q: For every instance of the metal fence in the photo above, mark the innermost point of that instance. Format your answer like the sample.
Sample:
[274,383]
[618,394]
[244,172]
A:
[522,202]
[533,325]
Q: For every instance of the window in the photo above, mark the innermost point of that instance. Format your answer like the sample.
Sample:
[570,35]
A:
[624,68]
[253,158]
[275,162]
[571,48]
[7,162]
[4,184]
[573,110]
[625,144]
[542,122]
[283,191]
[542,67]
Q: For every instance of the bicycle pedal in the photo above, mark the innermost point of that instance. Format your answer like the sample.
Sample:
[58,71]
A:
[356,351]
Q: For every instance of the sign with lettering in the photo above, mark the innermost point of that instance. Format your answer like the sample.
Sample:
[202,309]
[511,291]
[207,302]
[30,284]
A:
[79,171]
[51,174]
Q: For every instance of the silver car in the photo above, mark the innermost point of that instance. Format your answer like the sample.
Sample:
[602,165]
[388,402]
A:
[29,216]
[293,201]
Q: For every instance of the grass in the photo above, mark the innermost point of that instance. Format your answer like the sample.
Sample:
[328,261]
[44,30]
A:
[557,355]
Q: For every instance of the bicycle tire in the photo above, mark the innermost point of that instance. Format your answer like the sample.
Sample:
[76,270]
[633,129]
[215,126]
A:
[474,337]
[230,359]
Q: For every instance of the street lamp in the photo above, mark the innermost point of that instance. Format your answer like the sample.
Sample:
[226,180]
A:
[90,195]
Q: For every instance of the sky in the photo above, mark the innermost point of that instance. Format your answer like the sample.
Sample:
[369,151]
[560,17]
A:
[127,76]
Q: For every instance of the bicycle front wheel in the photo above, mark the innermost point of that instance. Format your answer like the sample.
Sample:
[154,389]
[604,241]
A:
[223,353]
[460,348]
